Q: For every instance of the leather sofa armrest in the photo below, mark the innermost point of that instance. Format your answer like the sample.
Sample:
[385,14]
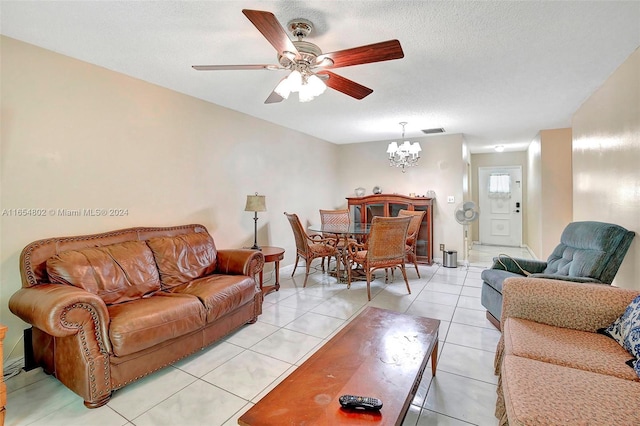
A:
[579,306]
[61,310]
[509,264]
[239,262]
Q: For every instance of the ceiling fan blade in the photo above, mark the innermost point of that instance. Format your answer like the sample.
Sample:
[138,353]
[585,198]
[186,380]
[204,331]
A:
[271,29]
[235,67]
[273,98]
[346,86]
[377,52]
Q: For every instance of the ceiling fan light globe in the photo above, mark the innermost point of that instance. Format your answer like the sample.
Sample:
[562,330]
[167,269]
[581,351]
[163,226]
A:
[294,81]
[315,85]
[305,95]
[283,88]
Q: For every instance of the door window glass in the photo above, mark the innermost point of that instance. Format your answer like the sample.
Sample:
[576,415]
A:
[500,185]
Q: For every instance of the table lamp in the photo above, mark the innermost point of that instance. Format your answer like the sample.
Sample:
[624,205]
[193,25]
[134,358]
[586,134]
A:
[255,204]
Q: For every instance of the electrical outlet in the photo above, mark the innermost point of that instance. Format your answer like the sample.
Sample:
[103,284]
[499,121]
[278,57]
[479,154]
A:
[451,199]
[441,247]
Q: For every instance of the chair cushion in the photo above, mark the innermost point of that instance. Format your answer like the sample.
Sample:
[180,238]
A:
[360,256]
[567,347]
[183,258]
[495,277]
[117,272]
[573,262]
[322,250]
[539,393]
[220,294]
[625,330]
[143,323]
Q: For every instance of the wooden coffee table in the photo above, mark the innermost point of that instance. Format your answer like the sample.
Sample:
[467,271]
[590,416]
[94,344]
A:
[380,353]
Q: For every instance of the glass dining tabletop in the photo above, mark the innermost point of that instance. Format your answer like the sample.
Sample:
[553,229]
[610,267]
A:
[353,228]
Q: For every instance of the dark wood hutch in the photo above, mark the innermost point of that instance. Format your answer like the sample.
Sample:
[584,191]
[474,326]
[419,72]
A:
[364,208]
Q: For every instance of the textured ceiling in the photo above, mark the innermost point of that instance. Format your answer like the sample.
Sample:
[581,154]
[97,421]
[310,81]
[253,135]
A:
[497,72]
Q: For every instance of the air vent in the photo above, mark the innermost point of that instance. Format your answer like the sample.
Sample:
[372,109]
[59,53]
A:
[432,131]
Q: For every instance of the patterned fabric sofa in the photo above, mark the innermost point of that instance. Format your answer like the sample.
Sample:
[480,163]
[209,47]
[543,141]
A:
[108,309]
[553,366]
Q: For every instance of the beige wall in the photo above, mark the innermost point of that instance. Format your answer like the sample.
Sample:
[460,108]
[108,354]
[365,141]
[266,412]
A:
[499,159]
[533,225]
[549,190]
[75,135]
[441,168]
[606,160]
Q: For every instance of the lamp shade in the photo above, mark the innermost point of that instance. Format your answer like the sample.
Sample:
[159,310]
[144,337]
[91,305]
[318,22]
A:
[256,203]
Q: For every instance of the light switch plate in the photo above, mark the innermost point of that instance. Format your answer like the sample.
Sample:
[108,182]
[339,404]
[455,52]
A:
[451,199]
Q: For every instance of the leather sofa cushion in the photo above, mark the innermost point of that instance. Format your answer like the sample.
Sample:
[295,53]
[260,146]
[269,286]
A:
[183,258]
[117,272]
[220,294]
[143,323]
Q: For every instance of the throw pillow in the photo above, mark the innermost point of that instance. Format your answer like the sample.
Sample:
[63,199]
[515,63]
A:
[626,331]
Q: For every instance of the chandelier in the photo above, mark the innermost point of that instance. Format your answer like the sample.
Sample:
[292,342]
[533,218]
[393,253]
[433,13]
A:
[405,155]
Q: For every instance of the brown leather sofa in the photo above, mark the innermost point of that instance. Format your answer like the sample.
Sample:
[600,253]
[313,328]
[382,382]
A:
[108,309]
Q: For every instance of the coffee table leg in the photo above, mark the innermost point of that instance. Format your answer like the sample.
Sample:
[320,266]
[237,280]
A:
[434,358]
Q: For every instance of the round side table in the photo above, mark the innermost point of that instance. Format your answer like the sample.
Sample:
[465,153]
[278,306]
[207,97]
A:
[272,254]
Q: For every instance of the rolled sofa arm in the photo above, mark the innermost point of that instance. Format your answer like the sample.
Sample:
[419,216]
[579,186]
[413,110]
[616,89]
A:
[579,306]
[59,309]
[240,262]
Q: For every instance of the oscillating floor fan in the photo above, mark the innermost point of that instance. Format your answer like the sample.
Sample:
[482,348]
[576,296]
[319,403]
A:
[466,213]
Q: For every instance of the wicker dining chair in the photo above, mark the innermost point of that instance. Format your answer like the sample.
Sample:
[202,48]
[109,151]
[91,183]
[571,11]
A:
[412,235]
[385,248]
[309,247]
[338,218]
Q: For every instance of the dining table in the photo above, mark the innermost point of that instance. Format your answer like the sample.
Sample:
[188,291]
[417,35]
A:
[344,232]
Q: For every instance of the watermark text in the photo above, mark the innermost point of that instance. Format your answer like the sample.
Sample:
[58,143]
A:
[62,212]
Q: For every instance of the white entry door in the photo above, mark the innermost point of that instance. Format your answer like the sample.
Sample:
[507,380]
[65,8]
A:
[500,197]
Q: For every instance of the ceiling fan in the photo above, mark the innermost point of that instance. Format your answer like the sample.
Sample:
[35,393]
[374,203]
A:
[309,67]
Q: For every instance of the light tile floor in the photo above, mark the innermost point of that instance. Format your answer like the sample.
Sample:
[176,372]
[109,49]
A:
[217,385]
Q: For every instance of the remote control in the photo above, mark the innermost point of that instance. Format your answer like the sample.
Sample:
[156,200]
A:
[362,402]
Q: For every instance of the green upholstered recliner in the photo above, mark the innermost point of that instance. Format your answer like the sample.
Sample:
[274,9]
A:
[589,252]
